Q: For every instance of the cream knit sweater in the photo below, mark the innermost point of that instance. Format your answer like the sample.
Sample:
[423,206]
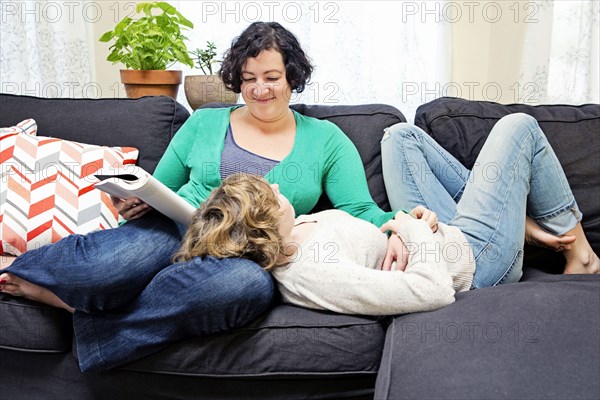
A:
[338,267]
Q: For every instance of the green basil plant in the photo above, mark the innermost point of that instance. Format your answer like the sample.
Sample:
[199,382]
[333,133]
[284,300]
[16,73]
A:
[153,42]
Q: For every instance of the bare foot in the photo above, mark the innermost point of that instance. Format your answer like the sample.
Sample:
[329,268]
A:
[5,261]
[581,258]
[16,286]
[537,236]
[585,263]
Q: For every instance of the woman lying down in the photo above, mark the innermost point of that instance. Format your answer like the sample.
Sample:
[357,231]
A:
[328,260]
[332,261]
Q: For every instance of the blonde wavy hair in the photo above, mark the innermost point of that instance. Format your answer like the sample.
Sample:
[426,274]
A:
[240,218]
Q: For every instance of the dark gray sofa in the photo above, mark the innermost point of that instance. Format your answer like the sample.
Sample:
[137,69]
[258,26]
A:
[288,353]
[294,353]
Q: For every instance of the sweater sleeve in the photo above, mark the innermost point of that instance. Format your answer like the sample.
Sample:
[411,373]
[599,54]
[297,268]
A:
[348,288]
[171,169]
[424,251]
[345,182]
[343,286]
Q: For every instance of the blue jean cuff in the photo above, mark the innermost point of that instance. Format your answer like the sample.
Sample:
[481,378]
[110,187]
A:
[87,347]
[562,221]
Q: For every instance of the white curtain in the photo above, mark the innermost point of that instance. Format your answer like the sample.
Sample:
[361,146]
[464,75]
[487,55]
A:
[46,48]
[364,51]
[560,53]
[394,52]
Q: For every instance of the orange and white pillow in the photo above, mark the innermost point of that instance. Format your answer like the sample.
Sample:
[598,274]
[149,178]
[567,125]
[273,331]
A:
[27,127]
[46,189]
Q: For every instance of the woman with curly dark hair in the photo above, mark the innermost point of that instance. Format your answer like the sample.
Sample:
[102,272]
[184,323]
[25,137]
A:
[262,36]
[128,297]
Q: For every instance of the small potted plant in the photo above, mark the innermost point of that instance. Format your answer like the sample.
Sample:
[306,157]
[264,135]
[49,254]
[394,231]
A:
[148,46]
[201,89]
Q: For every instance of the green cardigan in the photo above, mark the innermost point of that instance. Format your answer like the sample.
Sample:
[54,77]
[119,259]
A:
[323,158]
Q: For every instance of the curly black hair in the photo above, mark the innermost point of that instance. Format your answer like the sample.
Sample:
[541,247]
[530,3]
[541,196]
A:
[261,36]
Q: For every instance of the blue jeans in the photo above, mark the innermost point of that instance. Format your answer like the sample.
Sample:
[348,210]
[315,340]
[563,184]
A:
[131,301]
[516,174]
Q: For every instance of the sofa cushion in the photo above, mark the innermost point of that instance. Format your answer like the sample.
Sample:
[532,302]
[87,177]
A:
[462,126]
[287,340]
[529,340]
[364,125]
[33,327]
[147,123]
[290,353]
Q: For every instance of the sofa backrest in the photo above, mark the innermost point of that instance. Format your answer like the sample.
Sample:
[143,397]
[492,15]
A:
[364,125]
[462,126]
[147,123]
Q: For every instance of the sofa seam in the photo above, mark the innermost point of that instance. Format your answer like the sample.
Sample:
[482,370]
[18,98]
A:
[389,365]
[450,115]
[28,306]
[257,329]
[263,374]
[173,117]
[362,113]
[30,350]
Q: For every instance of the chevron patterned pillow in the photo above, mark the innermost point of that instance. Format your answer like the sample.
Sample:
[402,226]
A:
[46,189]
[28,127]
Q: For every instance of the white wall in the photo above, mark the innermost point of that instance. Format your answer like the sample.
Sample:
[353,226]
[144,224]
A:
[107,74]
[486,51]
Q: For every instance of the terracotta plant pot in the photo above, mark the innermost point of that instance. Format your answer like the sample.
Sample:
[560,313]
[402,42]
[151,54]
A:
[201,89]
[139,83]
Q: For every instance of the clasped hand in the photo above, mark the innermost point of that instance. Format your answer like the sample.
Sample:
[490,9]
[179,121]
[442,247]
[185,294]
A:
[396,250]
[131,208]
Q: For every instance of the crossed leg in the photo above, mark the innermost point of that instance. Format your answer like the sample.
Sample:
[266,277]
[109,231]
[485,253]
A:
[418,171]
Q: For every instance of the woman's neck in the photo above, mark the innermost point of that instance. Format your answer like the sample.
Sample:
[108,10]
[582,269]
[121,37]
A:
[299,234]
[276,124]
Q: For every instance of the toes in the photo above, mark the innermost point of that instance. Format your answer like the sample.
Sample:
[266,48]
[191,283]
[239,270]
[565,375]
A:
[10,284]
[562,248]
[567,239]
[7,278]
[10,289]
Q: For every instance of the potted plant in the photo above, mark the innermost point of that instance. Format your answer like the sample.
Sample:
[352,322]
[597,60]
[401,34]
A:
[147,47]
[201,89]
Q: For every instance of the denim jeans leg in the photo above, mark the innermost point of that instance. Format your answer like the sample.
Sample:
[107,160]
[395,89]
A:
[103,269]
[516,170]
[418,171]
[192,298]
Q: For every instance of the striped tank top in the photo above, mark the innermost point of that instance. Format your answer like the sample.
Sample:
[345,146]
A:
[234,159]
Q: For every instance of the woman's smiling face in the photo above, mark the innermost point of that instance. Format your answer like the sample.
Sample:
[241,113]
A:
[265,88]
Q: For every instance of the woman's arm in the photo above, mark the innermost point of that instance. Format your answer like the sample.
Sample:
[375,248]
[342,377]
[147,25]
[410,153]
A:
[345,182]
[171,169]
[348,288]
